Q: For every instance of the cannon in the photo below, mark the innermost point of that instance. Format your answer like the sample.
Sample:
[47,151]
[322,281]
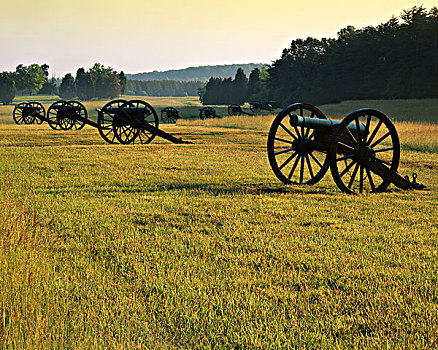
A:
[130,122]
[29,113]
[237,110]
[362,151]
[169,115]
[66,115]
[269,106]
[208,112]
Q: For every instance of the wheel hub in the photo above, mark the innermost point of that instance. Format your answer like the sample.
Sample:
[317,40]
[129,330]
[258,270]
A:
[364,155]
[303,146]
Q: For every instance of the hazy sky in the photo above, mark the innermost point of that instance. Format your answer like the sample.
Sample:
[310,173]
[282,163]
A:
[137,36]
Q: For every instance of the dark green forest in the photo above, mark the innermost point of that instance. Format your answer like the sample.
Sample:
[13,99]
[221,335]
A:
[172,88]
[201,73]
[397,59]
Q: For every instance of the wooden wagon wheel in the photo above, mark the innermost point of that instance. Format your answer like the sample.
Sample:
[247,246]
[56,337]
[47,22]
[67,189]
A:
[52,114]
[364,161]
[169,115]
[77,109]
[294,154]
[131,121]
[234,110]
[65,116]
[105,120]
[38,112]
[19,112]
[207,112]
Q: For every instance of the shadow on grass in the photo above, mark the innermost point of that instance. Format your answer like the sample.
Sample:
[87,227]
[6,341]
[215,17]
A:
[207,188]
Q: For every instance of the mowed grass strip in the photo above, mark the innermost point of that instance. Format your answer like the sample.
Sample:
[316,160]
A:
[195,246]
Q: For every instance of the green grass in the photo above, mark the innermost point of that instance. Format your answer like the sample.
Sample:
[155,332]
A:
[167,246]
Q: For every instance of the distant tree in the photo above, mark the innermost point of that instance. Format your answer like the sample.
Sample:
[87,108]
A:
[122,79]
[45,68]
[7,87]
[85,85]
[67,89]
[29,78]
[240,88]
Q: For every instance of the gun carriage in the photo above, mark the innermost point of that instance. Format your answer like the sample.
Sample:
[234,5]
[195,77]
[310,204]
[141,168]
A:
[208,112]
[237,110]
[169,115]
[29,113]
[269,106]
[362,151]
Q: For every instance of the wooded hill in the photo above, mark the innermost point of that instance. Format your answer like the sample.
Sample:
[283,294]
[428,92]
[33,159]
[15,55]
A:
[201,73]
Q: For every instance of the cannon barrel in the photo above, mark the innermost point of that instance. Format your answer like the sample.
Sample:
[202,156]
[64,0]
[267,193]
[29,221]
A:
[316,123]
[67,106]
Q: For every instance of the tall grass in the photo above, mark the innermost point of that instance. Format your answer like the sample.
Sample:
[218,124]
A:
[166,246]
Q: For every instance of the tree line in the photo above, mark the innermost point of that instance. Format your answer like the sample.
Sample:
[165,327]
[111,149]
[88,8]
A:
[172,88]
[97,82]
[397,59]
[223,91]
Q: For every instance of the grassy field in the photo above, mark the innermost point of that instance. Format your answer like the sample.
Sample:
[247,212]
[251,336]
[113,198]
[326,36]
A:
[167,246]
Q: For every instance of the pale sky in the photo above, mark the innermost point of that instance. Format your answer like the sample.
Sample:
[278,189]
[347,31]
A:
[138,36]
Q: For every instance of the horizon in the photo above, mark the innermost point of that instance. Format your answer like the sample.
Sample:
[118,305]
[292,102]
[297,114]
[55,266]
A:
[171,35]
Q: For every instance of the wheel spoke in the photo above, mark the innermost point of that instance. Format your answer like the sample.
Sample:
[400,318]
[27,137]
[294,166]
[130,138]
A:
[284,151]
[379,124]
[288,160]
[384,161]
[346,146]
[288,131]
[309,166]
[316,160]
[359,134]
[348,167]
[380,140]
[349,133]
[344,158]
[384,149]
[353,176]
[370,179]
[294,167]
[367,128]
[302,170]
[283,140]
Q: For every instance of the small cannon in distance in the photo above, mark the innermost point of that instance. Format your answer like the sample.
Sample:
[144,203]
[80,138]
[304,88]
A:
[269,106]
[208,112]
[237,110]
[130,122]
[29,113]
[362,151]
[169,115]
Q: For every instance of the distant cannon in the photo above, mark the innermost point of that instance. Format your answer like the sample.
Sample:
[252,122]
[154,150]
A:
[130,122]
[66,115]
[265,105]
[208,112]
[362,151]
[169,115]
[236,110]
[29,113]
